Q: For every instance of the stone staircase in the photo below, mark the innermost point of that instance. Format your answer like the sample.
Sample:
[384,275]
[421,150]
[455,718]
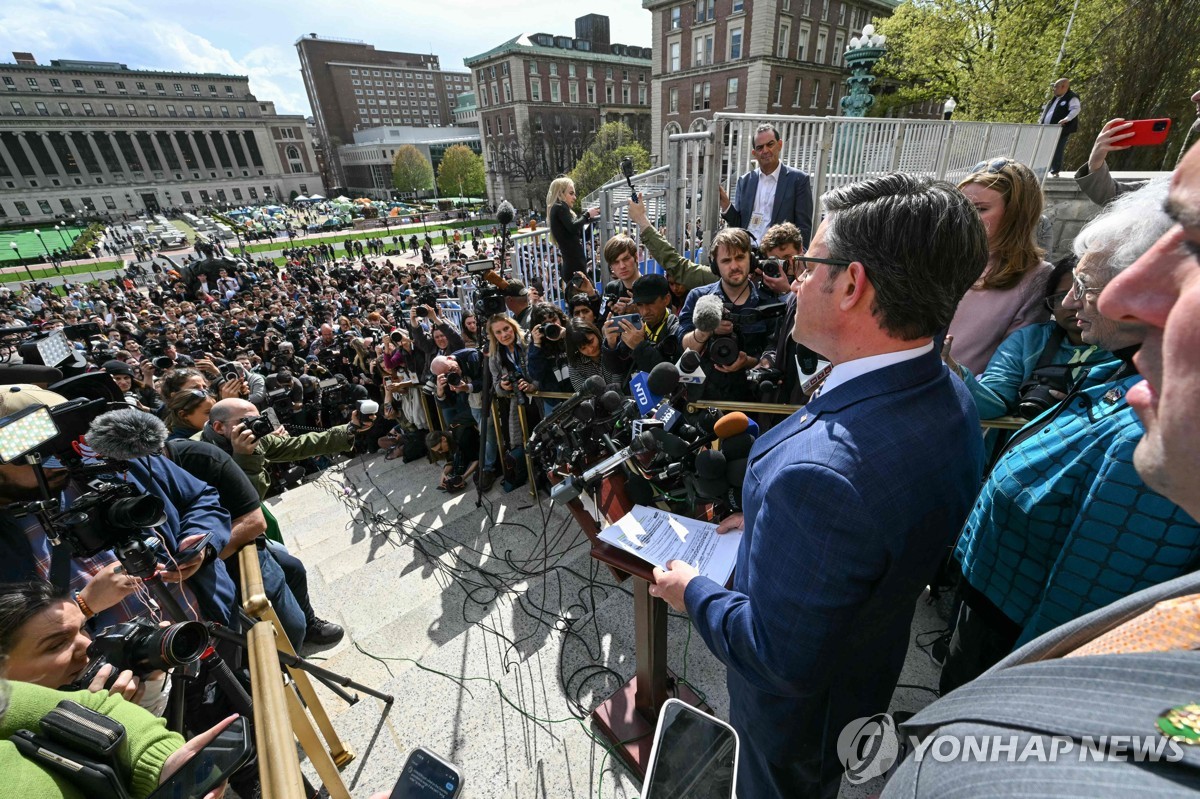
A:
[491,626]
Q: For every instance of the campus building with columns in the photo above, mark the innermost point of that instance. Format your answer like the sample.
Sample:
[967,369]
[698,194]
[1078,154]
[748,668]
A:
[97,138]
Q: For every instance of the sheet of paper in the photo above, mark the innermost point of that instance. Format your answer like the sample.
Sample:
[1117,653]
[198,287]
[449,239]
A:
[657,537]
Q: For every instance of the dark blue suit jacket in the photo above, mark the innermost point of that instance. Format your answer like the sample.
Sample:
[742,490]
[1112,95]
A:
[850,505]
[793,201]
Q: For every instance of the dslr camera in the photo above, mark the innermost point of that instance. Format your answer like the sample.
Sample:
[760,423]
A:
[724,350]
[141,646]
[260,426]
[1034,397]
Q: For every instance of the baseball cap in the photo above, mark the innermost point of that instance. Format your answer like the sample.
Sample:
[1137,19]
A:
[18,397]
[115,367]
[649,288]
[516,289]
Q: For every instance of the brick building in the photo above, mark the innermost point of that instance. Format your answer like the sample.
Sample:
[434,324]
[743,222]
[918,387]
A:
[752,56]
[540,98]
[88,137]
[352,86]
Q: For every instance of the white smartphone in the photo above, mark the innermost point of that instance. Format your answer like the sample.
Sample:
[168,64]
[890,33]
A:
[695,755]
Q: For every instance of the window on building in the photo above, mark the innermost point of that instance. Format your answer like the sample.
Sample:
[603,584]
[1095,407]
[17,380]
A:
[573,92]
[739,6]
[839,46]
[591,93]
[354,72]
[608,93]
[189,111]
[697,95]
[130,110]
[553,69]
[225,111]
[32,82]
[171,111]
[535,90]
[625,95]
[44,207]
[833,87]
[822,39]
[807,8]
[121,86]
[533,67]
[783,44]
[825,8]
[241,111]
[64,109]
[158,87]
[731,93]
[705,10]
[78,85]
[841,14]
[815,100]
[676,18]
[555,92]
[703,50]
[151,110]
[802,44]
[8,83]
[673,66]
[100,87]
[673,101]
[735,44]
[56,84]
[178,88]
[799,89]
[23,209]
[641,95]
[87,110]
[777,95]
[110,109]
[41,109]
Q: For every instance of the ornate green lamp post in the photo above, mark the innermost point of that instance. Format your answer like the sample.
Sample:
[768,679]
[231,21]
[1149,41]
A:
[861,56]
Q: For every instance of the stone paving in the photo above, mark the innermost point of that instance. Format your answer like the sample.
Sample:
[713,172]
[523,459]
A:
[491,625]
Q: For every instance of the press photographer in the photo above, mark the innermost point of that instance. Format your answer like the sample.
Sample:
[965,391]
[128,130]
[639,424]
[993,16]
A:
[643,340]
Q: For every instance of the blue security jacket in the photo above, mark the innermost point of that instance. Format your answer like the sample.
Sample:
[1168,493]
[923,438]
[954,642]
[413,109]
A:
[850,504]
[995,389]
[1064,524]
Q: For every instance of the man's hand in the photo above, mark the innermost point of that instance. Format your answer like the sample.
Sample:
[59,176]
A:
[108,587]
[186,752]
[734,521]
[234,389]
[724,329]
[780,285]
[182,571]
[585,285]
[441,384]
[126,686]
[243,440]
[670,585]
[637,213]
[1115,130]
[743,362]
[723,197]
[632,335]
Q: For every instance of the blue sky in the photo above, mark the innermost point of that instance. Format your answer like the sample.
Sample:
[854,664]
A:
[257,37]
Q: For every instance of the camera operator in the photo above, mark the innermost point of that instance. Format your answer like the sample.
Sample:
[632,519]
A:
[546,353]
[44,636]
[232,426]
[432,335]
[192,510]
[792,360]
[461,375]
[654,341]
[731,260]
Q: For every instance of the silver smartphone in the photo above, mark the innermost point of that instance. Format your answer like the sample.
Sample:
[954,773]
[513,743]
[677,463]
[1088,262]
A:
[427,776]
[695,755]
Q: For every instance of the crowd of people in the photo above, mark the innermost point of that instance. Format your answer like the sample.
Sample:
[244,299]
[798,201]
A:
[913,310]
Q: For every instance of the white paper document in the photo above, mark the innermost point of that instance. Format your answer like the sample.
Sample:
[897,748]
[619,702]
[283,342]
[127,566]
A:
[657,536]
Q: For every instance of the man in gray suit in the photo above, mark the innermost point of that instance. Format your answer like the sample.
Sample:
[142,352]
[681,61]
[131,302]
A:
[1039,692]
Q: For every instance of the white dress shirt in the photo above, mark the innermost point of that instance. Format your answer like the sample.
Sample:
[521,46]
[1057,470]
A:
[845,372]
[764,204]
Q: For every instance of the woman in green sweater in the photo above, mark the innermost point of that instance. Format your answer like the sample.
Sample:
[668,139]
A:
[153,753]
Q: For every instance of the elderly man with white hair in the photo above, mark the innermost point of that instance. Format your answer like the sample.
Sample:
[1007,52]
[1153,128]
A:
[1064,524]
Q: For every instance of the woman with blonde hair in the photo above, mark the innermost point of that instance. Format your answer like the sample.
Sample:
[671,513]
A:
[506,359]
[1010,293]
[566,230]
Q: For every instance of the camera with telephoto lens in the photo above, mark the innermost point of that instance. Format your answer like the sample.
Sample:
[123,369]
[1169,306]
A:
[1034,397]
[725,349]
[513,378]
[141,646]
[553,331]
[163,362]
[260,426]
[107,516]
[454,378]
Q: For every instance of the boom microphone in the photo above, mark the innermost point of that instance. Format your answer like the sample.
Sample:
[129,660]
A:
[707,314]
[505,213]
[127,434]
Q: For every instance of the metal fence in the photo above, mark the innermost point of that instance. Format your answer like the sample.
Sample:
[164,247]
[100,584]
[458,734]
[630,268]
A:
[834,151]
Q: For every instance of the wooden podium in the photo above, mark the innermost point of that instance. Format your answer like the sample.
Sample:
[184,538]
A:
[628,717]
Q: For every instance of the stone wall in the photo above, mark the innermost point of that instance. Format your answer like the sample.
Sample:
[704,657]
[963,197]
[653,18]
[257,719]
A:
[1068,209]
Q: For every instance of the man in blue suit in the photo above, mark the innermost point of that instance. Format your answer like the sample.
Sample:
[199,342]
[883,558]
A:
[851,502]
[772,193]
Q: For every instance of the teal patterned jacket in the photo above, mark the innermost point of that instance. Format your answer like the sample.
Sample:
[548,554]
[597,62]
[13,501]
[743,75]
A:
[1064,525]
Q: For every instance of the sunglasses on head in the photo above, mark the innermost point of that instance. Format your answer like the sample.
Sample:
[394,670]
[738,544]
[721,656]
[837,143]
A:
[992,167]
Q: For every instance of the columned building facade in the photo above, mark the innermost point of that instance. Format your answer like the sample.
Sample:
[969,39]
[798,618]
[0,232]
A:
[97,138]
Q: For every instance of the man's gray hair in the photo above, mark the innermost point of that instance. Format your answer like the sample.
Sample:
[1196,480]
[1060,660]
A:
[764,127]
[1127,227]
[921,242]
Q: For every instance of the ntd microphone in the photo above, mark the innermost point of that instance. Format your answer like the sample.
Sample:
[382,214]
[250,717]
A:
[639,388]
[664,382]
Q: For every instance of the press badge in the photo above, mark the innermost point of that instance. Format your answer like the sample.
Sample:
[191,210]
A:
[756,222]
[562,373]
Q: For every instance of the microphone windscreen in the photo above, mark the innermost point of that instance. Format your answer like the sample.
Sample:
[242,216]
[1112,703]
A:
[738,446]
[689,361]
[126,434]
[584,411]
[593,386]
[670,445]
[710,464]
[711,488]
[505,213]
[663,379]
[731,424]
[610,401]
[735,472]
[706,316]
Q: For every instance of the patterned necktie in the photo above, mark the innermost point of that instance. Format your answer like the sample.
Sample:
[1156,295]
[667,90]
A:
[1172,624]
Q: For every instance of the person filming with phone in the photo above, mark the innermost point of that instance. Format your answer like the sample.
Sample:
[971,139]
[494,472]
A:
[649,337]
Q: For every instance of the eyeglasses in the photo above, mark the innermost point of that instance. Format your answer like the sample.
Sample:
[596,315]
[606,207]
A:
[758,148]
[805,265]
[992,167]
[1081,292]
[1055,301]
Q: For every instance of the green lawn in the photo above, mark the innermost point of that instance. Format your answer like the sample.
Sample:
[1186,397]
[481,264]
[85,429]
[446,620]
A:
[20,275]
[28,244]
[282,241]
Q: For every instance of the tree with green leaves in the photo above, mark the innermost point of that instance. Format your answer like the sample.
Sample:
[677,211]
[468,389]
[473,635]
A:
[601,161]
[411,173]
[460,174]
[997,59]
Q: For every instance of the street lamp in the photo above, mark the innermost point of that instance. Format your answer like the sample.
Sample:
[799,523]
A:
[38,233]
[59,230]
[861,56]
[18,254]
[948,107]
